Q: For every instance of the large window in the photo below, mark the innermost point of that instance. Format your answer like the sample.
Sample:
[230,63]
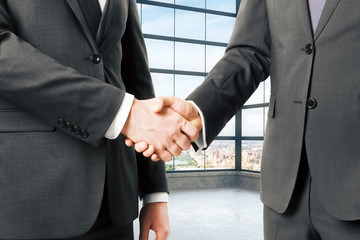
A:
[184,40]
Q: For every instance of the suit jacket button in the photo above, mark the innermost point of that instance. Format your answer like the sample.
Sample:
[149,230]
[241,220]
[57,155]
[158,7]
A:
[85,134]
[77,130]
[69,127]
[61,122]
[308,49]
[311,103]
[95,58]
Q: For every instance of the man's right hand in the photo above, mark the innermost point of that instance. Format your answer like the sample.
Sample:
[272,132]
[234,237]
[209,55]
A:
[184,108]
[168,132]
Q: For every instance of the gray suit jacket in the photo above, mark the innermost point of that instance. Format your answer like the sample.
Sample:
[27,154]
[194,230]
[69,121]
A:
[57,100]
[270,38]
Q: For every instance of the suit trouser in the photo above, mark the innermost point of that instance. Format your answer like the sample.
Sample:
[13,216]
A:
[305,218]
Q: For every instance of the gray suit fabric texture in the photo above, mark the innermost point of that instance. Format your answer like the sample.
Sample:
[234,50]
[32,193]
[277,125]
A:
[60,90]
[275,38]
[306,218]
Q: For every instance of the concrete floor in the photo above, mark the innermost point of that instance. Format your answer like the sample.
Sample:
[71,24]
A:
[214,214]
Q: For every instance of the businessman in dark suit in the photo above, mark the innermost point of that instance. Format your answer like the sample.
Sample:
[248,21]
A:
[69,74]
[310,181]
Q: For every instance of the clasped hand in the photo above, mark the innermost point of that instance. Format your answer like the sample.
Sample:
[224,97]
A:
[162,127]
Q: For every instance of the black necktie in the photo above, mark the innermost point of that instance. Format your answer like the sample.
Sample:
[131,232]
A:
[92,13]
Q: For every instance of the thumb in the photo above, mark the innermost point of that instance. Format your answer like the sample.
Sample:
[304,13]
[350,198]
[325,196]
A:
[161,102]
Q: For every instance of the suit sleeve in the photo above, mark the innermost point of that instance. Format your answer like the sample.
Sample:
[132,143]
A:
[137,79]
[40,85]
[237,75]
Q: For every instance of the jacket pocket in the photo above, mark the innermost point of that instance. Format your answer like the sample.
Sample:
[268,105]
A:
[271,111]
[16,120]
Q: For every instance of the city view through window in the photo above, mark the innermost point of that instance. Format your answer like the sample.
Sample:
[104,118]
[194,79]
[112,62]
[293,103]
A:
[184,40]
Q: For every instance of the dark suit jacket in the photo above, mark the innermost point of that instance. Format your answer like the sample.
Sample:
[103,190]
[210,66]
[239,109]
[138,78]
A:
[275,37]
[56,104]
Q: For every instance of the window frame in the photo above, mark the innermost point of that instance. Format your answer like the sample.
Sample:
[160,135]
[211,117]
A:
[238,138]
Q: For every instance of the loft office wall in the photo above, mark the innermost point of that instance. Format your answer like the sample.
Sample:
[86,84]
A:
[185,39]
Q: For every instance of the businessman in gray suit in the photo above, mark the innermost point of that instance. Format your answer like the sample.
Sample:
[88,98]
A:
[310,181]
[69,73]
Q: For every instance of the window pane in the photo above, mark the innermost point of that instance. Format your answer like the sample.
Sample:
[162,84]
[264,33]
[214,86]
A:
[164,1]
[258,96]
[163,84]
[253,122]
[265,118]
[161,53]
[219,28]
[189,57]
[251,155]
[267,89]
[169,166]
[189,24]
[139,10]
[229,129]
[158,20]
[223,5]
[189,160]
[220,155]
[213,55]
[184,85]
[191,3]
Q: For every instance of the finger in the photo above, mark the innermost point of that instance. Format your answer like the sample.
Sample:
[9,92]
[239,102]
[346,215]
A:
[144,227]
[165,155]
[148,152]
[159,105]
[174,149]
[197,122]
[128,142]
[155,157]
[161,235]
[190,130]
[162,102]
[183,141]
[141,147]
[144,233]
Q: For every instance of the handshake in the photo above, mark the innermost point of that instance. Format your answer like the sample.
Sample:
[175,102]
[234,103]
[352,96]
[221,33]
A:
[162,127]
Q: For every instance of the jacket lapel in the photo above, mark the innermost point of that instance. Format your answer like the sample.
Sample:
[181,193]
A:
[304,15]
[108,13]
[75,7]
[329,8]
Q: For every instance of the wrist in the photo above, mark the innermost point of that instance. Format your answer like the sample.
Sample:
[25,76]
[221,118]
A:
[127,126]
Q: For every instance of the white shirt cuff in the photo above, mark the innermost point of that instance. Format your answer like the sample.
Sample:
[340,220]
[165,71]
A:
[120,117]
[201,141]
[156,197]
